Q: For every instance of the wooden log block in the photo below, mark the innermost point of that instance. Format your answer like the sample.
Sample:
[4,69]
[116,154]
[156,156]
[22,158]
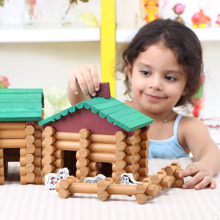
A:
[48,141]
[176,173]
[28,168]
[84,143]
[2,180]
[65,183]
[1,162]
[11,125]
[121,145]
[143,162]
[93,173]
[120,164]
[37,143]
[59,163]
[156,178]
[144,135]
[83,188]
[29,129]
[102,148]
[37,161]
[142,187]
[84,133]
[102,138]
[59,154]
[24,180]
[48,168]
[102,157]
[179,183]
[94,166]
[83,162]
[84,171]
[172,168]
[48,131]
[167,181]
[116,189]
[153,189]
[84,152]
[29,158]
[141,198]
[24,170]
[67,145]
[144,144]
[48,159]
[120,155]
[67,136]
[30,177]
[132,140]
[143,171]
[64,193]
[48,150]
[12,143]
[120,136]
[131,159]
[29,139]
[12,134]
[132,149]
[37,152]
[30,148]
[1,152]
[133,168]
[142,153]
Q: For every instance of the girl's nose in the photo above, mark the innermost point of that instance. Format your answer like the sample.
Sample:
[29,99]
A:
[155,82]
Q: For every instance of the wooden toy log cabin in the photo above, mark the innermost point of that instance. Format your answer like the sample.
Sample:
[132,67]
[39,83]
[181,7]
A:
[98,130]
[20,134]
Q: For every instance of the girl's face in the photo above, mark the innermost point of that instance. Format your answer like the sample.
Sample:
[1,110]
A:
[158,80]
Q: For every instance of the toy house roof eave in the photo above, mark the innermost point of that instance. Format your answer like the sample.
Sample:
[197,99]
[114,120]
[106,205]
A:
[112,109]
[21,104]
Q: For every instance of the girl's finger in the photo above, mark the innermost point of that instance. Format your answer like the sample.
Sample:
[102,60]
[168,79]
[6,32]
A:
[82,84]
[193,181]
[191,170]
[73,86]
[95,77]
[212,184]
[205,182]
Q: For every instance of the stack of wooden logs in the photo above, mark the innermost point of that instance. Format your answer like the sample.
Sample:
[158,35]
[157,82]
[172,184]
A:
[27,138]
[148,188]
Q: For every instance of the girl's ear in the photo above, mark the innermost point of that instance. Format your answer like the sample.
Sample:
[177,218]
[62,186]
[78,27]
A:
[184,92]
[129,72]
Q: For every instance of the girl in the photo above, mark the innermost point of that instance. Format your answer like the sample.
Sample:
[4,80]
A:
[162,64]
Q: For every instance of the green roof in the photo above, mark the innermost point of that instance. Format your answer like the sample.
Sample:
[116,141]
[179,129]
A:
[112,109]
[21,104]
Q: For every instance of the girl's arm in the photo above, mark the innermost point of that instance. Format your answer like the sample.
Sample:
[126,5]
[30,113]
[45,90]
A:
[83,83]
[205,152]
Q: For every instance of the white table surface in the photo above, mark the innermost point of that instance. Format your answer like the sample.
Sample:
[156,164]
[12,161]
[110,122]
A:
[27,202]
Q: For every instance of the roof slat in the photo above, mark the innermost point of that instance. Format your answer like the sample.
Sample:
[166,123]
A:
[103,113]
[17,98]
[21,91]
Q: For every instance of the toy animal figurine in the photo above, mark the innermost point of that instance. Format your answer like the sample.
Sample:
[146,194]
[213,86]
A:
[218,20]
[179,9]
[151,7]
[199,19]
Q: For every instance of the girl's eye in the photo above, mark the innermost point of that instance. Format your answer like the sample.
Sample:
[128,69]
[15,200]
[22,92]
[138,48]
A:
[170,78]
[145,73]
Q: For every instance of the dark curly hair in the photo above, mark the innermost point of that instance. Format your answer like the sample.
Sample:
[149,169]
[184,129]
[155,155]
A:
[180,39]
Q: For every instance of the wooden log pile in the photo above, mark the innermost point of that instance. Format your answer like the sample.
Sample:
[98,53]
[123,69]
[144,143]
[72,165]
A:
[148,188]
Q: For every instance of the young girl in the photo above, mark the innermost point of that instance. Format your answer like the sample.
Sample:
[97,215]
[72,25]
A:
[162,64]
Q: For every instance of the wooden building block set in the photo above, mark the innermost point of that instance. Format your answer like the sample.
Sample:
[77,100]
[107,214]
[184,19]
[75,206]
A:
[94,133]
[98,130]
[144,190]
[20,134]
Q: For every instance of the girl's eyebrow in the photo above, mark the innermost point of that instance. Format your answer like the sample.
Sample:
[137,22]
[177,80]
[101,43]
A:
[175,71]
[141,64]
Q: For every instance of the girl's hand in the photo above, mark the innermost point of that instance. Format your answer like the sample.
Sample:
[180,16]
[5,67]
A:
[87,77]
[201,177]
